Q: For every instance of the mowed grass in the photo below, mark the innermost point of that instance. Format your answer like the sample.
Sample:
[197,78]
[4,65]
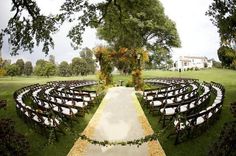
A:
[38,143]
[200,145]
[197,146]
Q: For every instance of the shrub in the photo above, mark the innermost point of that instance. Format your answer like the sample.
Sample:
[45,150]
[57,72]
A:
[217,64]
[129,84]
[11,142]
[225,145]
[233,65]
[2,72]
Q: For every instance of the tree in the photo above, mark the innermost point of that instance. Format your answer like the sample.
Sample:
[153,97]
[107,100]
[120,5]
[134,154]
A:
[52,59]
[44,68]
[38,69]
[64,69]
[28,68]
[103,54]
[87,55]
[160,57]
[143,25]
[49,69]
[3,64]
[13,70]
[78,66]
[139,24]
[2,72]
[216,64]
[226,55]
[223,13]
[29,27]
[20,63]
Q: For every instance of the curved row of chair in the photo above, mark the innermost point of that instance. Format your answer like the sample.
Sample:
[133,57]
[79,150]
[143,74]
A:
[170,80]
[159,100]
[43,105]
[187,114]
[32,115]
[172,90]
[205,117]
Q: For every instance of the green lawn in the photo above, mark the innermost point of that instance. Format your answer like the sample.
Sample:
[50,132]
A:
[39,144]
[197,146]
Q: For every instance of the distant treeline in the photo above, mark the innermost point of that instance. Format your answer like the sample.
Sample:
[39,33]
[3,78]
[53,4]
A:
[83,65]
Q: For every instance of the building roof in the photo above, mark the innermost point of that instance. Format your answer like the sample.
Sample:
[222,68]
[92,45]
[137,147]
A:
[195,57]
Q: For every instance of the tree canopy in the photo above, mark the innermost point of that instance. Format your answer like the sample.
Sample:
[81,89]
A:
[87,55]
[79,66]
[142,21]
[223,13]
[20,63]
[226,55]
[12,70]
[44,68]
[64,69]
[138,24]
[28,68]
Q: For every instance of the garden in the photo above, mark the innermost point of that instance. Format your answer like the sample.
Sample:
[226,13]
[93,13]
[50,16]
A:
[125,96]
[198,146]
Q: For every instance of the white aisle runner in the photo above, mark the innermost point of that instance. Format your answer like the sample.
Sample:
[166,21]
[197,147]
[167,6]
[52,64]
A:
[116,120]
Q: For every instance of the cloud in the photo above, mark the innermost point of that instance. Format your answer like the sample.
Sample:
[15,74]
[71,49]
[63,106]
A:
[198,36]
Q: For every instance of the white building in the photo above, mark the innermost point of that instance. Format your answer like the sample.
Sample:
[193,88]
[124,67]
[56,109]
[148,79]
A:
[192,62]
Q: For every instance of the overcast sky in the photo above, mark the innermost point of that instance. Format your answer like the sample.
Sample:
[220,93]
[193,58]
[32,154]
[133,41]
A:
[198,35]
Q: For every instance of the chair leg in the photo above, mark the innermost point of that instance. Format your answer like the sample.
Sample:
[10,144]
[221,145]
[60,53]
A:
[164,121]
[177,138]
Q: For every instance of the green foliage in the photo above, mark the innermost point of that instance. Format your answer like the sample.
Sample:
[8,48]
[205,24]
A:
[52,59]
[224,145]
[2,72]
[49,69]
[28,27]
[44,68]
[126,60]
[223,15]
[159,58]
[216,64]
[137,79]
[133,24]
[233,64]
[136,142]
[196,146]
[11,142]
[28,68]
[64,69]
[2,63]
[139,24]
[87,55]
[5,64]
[38,69]
[226,55]
[13,70]
[79,66]
[103,55]
[129,84]
[20,63]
